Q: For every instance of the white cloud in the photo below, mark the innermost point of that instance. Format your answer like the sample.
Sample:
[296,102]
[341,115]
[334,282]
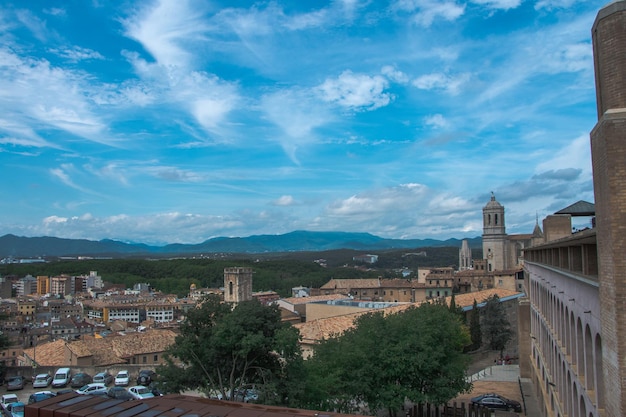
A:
[570,58]
[426,11]
[297,114]
[284,201]
[76,53]
[55,11]
[161,228]
[62,173]
[356,91]
[175,174]
[36,26]
[37,95]
[439,81]
[211,111]
[207,98]
[379,201]
[575,154]
[554,4]
[436,120]
[499,4]
[165,29]
[394,75]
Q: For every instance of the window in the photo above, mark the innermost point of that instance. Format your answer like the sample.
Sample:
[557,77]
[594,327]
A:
[145,359]
[390,292]
[156,358]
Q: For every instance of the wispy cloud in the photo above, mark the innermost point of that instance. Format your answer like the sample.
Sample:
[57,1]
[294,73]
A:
[76,53]
[356,91]
[425,12]
[439,81]
[165,29]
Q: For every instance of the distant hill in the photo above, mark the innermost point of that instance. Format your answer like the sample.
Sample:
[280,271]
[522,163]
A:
[33,247]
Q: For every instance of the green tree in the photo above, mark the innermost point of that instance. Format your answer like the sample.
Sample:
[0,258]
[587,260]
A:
[414,355]
[222,349]
[458,310]
[496,326]
[474,327]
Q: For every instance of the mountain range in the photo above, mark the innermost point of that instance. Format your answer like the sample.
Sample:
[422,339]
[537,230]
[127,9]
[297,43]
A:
[33,247]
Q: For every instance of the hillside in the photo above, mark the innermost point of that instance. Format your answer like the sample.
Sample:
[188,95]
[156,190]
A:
[298,241]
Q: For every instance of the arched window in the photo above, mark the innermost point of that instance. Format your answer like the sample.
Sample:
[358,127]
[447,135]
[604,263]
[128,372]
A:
[495,216]
[230,288]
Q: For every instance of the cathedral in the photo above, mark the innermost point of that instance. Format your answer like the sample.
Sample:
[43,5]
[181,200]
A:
[501,251]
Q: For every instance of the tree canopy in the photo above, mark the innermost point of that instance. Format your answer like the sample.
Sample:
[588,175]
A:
[384,360]
[496,326]
[222,349]
[474,327]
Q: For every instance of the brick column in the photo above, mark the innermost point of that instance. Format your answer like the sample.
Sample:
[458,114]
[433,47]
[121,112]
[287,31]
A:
[608,149]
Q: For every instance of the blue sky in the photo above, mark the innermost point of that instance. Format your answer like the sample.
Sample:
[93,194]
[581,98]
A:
[175,121]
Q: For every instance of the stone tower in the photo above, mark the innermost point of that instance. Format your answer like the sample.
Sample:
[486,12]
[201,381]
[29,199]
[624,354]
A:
[494,236]
[608,154]
[237,284]
[465,256]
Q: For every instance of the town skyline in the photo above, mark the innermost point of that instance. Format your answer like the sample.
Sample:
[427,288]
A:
[180,121]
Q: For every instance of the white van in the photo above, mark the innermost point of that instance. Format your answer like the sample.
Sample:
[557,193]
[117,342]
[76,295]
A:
[61,377]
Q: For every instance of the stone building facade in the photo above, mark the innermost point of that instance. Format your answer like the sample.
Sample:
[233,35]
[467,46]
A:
[576,281]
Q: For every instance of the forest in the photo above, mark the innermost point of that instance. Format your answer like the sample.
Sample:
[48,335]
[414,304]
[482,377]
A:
[278,272]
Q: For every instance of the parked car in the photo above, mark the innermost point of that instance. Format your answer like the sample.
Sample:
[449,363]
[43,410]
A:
[497,402]
[7,399]
[42,381]
[80,380]
[122,379]
[62,377]
[15,383]
[40,396]
[16,409]
[119,393]
[246,395]
[103,377]
[140,392]
[145,377]
[93,388]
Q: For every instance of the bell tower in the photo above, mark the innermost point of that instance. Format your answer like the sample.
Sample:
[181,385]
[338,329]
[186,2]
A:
[494,235]
[237,284]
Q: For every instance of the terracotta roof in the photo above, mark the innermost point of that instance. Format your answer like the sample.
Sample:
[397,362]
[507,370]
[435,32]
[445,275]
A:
[467,300]
[144,342]
[80,349]
[48,354]
[316,330]
[351,283]
[306,300]
[400,283]
[98,348]
[109,350]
